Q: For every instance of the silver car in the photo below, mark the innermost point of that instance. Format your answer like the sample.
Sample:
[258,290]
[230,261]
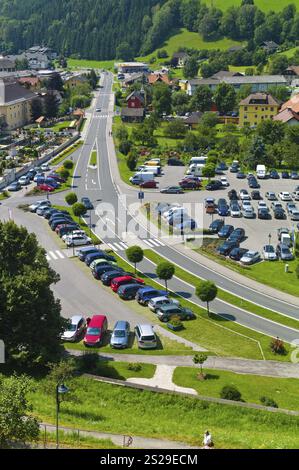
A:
[120,335]
[76,326]
[156,302]
[145,336]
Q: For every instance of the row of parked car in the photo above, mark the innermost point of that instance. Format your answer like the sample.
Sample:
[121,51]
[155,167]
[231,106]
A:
[233,237]
[176,216]
[62,223]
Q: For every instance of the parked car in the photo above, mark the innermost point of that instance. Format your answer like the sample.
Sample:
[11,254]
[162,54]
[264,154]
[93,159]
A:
[248,213]
[43,203]
[102,261]
[285,174]
[237,235]
[68,229]
[279,213]
[145,294]
[250,257]
[108,276]
[41,210]
[87,203]
[271,196]
[269,253]
[96,331]
[283,252]
[98,254]
[255,195]
[128,291]
[253,183]
[282,231]
[172,190]
[263,214]
[240,175]
[294,175]
[15,186]
[57,222]
[76,327]
[235,210]
[24,180]
[145,336]
[225,231]
[274,174]
[216,225]
[245,204]
[190,184]
[45,187]
[77,240]
[224,181]
[214,185]
[233,195]
[244,195]
[294,214]
[291,206]
[83,252]
[122,280]
[120,335]
[165,312]
[157,302]
[285,196]
[227,247]
[101,269]
[151,184]
[45,167]
[237,253]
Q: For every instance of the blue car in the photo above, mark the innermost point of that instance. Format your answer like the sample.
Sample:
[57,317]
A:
[145,294]
[223,210]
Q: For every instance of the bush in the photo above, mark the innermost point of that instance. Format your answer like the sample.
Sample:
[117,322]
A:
[266,401]
[229,392]
[88,361]
[134,366]
[277,346]
[125,147]
[175,321]
[64,173]
[71,198]
[79,209]
[68,165]
[297,270]
[132,161]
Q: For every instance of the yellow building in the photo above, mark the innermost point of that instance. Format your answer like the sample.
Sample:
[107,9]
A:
[15,104]
[257,107]
[75,80]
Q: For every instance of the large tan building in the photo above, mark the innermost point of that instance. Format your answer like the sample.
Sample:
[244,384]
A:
[15,103]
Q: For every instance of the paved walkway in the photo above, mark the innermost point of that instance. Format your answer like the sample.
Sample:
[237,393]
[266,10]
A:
[163,379]
[139,442]
[240,366]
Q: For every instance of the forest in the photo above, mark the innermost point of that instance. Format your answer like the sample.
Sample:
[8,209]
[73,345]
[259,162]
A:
[97,29]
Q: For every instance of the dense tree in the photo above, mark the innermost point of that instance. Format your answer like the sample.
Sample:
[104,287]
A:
[79,210]
[124,51]
[206,291]
[17,425]
[225,97]
[209,119]
[190,68]
[36,109]
[71,198]
[256,153]
[202,99]
[132,160]
[280,92]
[180,102]
[210,24]
[50,105]
[135,255]
[175,129]
[162,99]
[291,155]
[270,131]
[30,321]
[292,134]
[278,64]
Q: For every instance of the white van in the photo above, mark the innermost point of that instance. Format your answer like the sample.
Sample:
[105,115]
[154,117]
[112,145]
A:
[195,170]
[156,170]
[202,160]
[261,171]
[141,177]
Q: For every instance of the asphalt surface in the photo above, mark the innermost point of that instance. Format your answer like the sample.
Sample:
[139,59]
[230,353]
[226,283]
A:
[79,294]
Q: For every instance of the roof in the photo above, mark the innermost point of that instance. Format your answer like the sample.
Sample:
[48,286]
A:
[135,94]
[132,112]
[292,103]
[240,80]
[40,119]
[226,73]
[194,118]
[180,55]
[155,77]
[33,81]
[270,44]
[293,68]
[259,99]
[286,115]
[6,63]
[11,91]
[134,76]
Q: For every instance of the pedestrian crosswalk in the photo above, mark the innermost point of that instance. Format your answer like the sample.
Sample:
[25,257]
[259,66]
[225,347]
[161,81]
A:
[121,246]
[55,255]
[153,243]
[102,116]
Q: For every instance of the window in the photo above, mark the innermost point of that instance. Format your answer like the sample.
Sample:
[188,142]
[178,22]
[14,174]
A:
[245,109]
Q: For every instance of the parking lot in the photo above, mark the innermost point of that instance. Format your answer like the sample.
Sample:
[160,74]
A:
[257,230]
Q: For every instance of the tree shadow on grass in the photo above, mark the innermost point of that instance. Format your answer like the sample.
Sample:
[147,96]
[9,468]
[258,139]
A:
[87,415]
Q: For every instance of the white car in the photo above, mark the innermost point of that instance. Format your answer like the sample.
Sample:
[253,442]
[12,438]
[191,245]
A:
[285,196]
[74,232]
[77,325]
[246,204]
[24,180]
[45,167]
[244,196]
[250,257]
[224,181]
[269,253]
[77,240]
[262,205]
[156,302]
[248,212]
[235,210]
[294,214]
[39,204]
[296,195]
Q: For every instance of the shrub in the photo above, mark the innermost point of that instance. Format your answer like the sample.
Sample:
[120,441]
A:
[266,401]
[71,198]
[68,164]
[297,270]
[125,147]
[134,366]
[88,361]
[79,209]
[230,392]
[277,346]
[64,173]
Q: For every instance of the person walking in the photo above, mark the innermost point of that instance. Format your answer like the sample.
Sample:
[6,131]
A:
[207,440]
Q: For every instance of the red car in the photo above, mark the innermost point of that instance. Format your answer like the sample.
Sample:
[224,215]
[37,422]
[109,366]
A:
[96,330]
[45,187]
[149,184]
[190,184]
[120,281]
[56,178]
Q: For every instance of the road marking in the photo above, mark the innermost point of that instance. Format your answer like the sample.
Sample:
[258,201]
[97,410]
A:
[52,254]
[147,243]
[124,245]
[159,241]
[119,247]
[60,255]
[48,258]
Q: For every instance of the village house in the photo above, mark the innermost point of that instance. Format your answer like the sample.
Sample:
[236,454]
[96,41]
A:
[257,107]
[258,83]
[179,59]
[289,111]
[15,103]
[7,65]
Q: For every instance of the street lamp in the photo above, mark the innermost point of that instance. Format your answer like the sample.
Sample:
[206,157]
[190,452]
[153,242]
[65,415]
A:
[61,389]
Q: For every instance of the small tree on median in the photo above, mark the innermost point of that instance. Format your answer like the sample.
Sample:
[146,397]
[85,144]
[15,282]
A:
[206,291]
[65,174]
[79,209]
[200,359]
[68,164]
[71,199]
[135,255]
[165,271]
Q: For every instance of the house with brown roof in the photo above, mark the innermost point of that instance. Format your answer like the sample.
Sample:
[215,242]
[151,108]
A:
[31,83]
[132,114]
[135,100]
[15,103]
[154,78]
[287,116]
[256,108]
[193,120]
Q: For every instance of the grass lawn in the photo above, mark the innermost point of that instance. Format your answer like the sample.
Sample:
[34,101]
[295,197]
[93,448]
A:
[109,408]
[290,52]
[252,387]
[228,297]
[218,335]
[91,64]
[83,225]
[60,126]
[66,153]
[272,274]
[73,440]
[187,39]
[93,158]
[264,5]
[4,195]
